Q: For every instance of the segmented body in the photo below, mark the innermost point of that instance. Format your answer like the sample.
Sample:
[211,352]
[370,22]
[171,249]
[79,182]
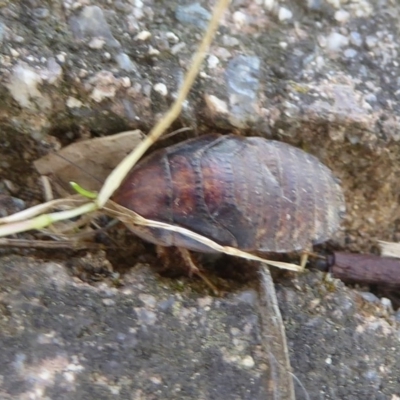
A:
[250,193]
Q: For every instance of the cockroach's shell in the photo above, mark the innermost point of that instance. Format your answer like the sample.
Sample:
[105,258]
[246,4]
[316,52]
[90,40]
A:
[250,193]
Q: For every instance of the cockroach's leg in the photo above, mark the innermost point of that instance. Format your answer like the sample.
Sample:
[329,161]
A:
[163,255]
[303,260]
[193,269]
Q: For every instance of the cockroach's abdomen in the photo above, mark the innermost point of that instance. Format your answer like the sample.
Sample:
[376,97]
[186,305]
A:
[250,193]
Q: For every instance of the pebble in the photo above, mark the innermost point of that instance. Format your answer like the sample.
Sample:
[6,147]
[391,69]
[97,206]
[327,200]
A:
[248,362]
[96,43]
[72,102]
[350,53]
[355,39]
[242,79]
[143,35]
[161,88]
[269,4]
[212,61]
[371,41]
[23,85]
[172,38]
[193,14]
[284,14]
[125,63]
[342,16]
[370,297]
[336,41]
[91,23]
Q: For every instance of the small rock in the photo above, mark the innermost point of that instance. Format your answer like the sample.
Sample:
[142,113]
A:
[284,14]
[23,85]
[172,38]
[350,53]
[387,305]
[92,23]
[193,14]
[342,16]
[125,63]
[355,39]
[336,41]
[248,362]
[161,88]
[96,43]
[143,35]
[269,4]
[371,41]
[212,61]
[369,297]
[41,13]
[72,102]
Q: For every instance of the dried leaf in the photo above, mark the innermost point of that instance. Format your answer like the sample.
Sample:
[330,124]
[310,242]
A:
[89,162]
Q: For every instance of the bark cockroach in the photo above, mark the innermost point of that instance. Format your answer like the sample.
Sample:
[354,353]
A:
[253,194]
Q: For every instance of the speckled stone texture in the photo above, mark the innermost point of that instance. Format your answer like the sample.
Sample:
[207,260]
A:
[343,344]
[63,339]
[319,74]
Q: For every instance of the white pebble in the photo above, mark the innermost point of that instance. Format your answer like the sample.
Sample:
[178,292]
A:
[177,48]
[216,105]
[248,362]
[240,19]
[143,35]
[336,41]
[284,14]
[172,38]
[14,52]
[72,102]
[97,43]
[387,303]
[342,16]
[269,4]
[153,51]
[61,57]
[371,41]
[161,88]
[334,3]
[212,61]
[126,82]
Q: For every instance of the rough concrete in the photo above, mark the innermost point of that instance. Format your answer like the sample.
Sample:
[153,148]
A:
[150,338]
[322,75]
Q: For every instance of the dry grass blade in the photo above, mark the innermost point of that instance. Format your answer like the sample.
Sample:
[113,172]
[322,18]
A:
[32,212]
[44,220]
[274,340]
[129,217]
[49,244]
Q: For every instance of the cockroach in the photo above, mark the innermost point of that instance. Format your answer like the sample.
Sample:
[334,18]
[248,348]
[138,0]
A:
[366,269]
[250,193]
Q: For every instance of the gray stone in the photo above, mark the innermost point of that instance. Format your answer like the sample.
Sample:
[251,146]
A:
[343,110]
[193,14]
[61,338]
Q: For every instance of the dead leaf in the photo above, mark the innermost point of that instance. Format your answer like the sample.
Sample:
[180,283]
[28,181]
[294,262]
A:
[89,162]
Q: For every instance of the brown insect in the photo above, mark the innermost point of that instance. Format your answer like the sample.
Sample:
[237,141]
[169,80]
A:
[249,193]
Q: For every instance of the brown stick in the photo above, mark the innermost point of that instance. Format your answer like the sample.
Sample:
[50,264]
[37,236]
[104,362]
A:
[366,269]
